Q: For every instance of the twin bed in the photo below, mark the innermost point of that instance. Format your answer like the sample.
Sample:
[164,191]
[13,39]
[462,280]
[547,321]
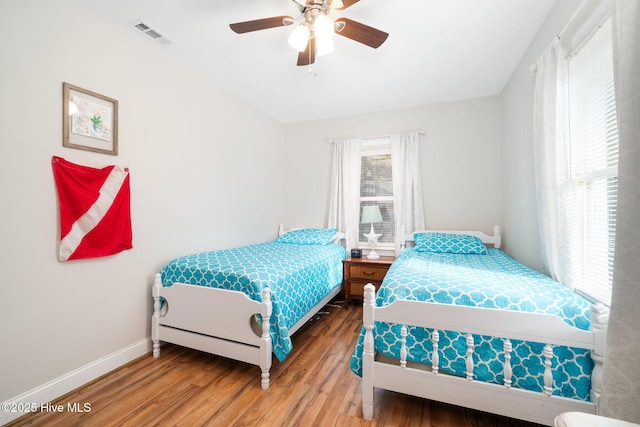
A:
[460,323]
[453,321]
[248,300]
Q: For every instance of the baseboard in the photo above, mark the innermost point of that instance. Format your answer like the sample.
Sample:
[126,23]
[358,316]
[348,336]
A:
[62,385]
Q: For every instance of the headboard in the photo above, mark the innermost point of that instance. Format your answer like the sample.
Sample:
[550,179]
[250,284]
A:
[337,238]
[495,239]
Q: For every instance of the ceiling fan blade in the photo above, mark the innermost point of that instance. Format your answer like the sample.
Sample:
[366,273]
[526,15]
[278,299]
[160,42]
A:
[347,3]
[360,32]
[308,56]
[300,3]
[261,24]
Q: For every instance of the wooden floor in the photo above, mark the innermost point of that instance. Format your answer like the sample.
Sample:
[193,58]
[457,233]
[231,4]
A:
[313,387]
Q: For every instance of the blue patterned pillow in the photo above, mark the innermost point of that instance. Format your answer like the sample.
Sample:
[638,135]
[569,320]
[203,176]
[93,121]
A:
[449,243]
[308,236]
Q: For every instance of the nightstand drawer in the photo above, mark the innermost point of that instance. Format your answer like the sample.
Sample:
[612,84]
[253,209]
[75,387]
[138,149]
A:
[356,289]
[367,272]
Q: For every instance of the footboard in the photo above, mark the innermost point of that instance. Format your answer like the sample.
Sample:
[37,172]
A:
[217,321]
[500,399]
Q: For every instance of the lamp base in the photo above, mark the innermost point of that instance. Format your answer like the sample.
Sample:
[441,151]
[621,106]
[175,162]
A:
[373,255]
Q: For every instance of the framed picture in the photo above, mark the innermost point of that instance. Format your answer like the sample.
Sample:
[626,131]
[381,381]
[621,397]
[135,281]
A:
[90,120]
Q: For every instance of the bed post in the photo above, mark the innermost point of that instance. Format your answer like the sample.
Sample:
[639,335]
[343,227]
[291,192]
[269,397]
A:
[155,318]
[368,353]
[280,230]
[497,238]
[599,321]
[403,237]
[265,338]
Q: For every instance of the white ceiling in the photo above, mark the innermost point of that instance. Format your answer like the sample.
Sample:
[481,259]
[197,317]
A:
[437,51]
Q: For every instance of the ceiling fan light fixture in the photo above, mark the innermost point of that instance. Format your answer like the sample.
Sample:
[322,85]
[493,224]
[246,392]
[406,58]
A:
[299,38]
[324,46]
[314,35]
[323,31]
[323,27]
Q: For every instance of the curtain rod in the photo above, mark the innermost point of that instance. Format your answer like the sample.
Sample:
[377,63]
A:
[584,21]
[533,68]
[419,132]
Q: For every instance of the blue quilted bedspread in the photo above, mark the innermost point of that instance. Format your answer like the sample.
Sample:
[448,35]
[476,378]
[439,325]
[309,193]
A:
[495,281]
[299,277]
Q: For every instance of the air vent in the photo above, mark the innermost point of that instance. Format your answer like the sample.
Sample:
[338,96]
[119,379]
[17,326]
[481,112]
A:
[151,32]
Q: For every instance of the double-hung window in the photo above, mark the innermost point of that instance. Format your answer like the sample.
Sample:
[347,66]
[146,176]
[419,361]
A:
[376,189]
[589,180]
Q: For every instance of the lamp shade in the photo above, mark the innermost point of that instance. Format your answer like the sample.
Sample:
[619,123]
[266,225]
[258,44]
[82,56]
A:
[323,30]
[324,46]
[299,38]
[323,26]
[371,214]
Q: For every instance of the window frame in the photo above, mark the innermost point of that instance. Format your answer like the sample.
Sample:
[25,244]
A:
[375,146]
[580,183]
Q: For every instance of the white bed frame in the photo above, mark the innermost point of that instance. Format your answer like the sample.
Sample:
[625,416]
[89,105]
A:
[429,383]
[219,321]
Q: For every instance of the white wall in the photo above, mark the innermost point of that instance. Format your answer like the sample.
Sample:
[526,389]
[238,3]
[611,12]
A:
[193,163]
[460,161]
[521,235]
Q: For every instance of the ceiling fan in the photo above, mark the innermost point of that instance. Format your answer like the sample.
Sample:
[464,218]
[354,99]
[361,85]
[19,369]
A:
[313,37]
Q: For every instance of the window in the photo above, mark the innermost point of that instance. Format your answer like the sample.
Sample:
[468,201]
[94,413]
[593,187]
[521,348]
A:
[590,184]
[376,188]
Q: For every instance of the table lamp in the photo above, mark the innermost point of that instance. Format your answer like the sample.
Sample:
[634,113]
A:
[371,214]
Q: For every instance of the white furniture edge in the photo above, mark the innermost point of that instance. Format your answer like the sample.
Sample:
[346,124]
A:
[219,321]
[580,419]
[70,381]
[500,399]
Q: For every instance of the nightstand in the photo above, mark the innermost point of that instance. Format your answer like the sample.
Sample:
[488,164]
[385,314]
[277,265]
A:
[360,271]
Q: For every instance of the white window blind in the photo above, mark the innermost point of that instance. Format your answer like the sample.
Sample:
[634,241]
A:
[376,188]
[591,182]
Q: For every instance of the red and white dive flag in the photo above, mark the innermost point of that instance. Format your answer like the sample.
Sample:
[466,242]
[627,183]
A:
[95,215]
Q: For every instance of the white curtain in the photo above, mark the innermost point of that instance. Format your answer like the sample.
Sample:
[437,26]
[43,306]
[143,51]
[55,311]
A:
[548,133]
[621,394]
[344,206]
[407,183]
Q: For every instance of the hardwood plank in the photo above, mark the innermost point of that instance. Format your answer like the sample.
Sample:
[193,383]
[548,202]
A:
[314,386]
